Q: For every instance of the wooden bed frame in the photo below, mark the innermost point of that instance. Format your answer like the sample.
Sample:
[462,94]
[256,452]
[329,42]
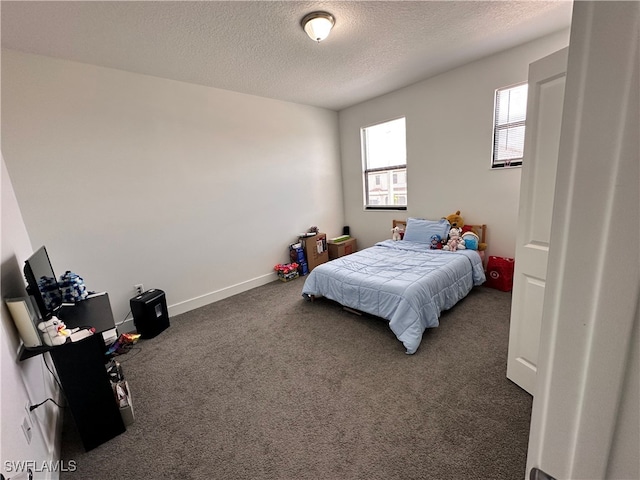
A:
[480,230]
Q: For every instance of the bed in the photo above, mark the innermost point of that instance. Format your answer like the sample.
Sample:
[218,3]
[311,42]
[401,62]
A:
[405,282]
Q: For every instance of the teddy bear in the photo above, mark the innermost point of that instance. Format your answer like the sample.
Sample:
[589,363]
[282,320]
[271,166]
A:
[396,233]
[455,241]
[54,331]
[436,242]
[456,220]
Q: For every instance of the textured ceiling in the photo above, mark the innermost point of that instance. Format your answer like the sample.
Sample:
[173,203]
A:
[259,47]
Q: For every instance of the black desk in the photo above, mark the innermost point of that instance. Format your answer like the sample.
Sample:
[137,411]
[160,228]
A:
[82,373]
[93,312]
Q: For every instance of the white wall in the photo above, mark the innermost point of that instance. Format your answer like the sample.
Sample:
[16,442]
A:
[27,381]
[133,179]
[449,139]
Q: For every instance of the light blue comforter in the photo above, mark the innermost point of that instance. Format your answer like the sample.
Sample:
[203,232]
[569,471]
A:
[403,282]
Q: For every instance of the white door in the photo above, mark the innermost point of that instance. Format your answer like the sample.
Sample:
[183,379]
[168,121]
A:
[585,420]
[539,165]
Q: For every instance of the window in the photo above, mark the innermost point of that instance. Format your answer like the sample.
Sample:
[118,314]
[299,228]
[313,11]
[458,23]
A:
[508,126]
[384,158]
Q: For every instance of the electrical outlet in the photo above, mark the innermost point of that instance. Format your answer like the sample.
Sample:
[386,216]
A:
[26,409]
[26,429]
[139,288]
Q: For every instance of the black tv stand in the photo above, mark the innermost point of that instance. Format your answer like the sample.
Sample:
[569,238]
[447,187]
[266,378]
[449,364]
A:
[81,370]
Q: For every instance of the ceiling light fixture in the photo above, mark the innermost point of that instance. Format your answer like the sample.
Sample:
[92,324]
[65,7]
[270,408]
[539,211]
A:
[318,25]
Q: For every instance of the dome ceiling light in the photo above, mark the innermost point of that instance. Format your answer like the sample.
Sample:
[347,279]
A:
[318,25]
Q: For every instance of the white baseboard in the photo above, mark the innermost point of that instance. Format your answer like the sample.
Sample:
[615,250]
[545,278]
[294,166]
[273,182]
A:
[221,294]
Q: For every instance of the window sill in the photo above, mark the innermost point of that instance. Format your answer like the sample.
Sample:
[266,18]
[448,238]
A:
[506,167]
[385,207]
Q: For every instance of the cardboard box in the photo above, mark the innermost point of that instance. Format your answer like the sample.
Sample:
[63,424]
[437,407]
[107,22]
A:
[315,250]
[340,249]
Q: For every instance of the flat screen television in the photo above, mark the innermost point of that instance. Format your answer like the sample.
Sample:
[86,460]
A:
[42,283]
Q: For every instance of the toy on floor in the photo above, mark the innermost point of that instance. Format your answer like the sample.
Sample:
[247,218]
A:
[123,344]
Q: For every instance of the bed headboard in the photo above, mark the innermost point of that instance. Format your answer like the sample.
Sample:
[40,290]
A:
[480,230]
[400,223]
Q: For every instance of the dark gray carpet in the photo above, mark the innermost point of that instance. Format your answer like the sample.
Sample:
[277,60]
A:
[266,385]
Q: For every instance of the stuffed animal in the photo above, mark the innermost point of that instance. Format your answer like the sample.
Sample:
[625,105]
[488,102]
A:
[456,220]
[396,233]
[455,240]
[54,331]
[436,242]
[471,240]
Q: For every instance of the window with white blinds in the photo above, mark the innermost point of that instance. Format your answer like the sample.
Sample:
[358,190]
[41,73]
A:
[508,127]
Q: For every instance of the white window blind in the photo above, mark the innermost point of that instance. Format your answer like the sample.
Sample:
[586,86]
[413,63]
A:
[508,129]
